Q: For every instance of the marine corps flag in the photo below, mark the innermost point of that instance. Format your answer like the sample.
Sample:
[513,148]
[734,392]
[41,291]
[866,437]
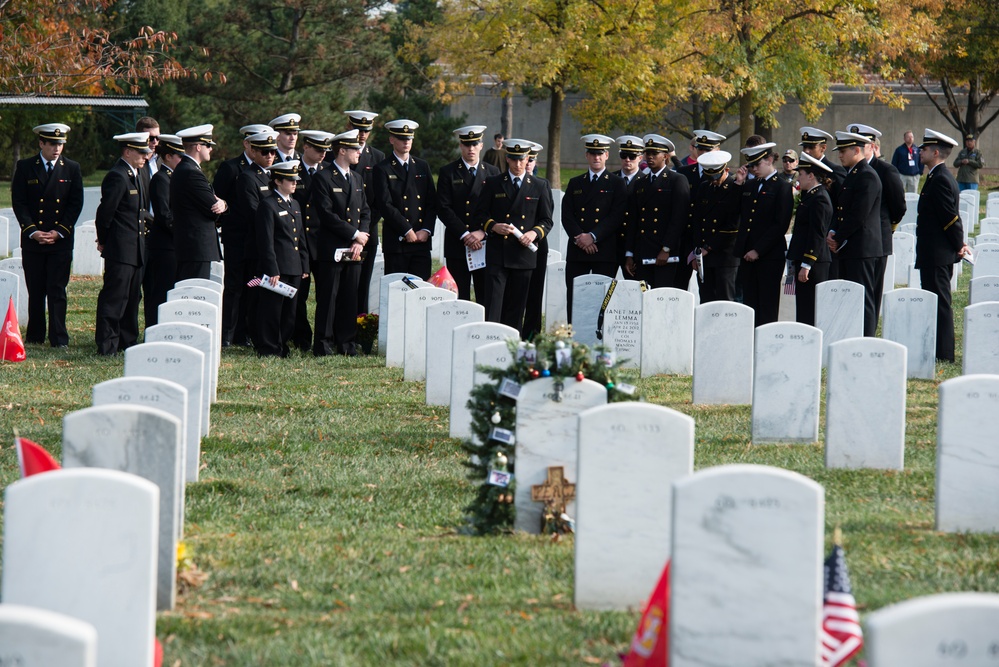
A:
[11,346]
[650,645]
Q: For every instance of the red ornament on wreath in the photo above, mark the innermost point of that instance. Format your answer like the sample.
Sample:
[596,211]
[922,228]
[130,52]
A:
[580,376]
[535,373]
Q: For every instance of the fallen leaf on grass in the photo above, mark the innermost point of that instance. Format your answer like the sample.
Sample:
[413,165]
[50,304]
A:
[201,615]
[294,585]
[404,569]
[371,486]
[462,607]
[590,660]
[524,615]
[399,525]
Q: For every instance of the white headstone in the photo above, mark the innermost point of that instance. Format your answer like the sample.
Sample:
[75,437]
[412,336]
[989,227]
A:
[437,241]
[909,227]
[986,260]
[91,200]
[87,261]
[910,318]
[490,355]
[622,331]
[548,435]
[890,274]
[968,455]
[145,442]
[935,631]
[383,314]
[217,272]
[904,249]
[554,257]
[984,289]
[394,316]
[31,637]
[4,240]
[464,340]
[989,226]
[587,296]
[839,312]
[185,366]
[83,543]
[911,202]
[865,404]
[787,374]
[374,286]
[415,325]
[555,313]
[200,339]
[13,230]
[629,455]
[196,293]
[667,332]
[442,318]
[723,353]
[199,282]
[204,315]
[15,266]
[10,288]
[985,238]
[981,338]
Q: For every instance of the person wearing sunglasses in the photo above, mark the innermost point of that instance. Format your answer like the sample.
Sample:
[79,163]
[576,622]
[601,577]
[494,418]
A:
[630,151]
[789,163]
[196,208]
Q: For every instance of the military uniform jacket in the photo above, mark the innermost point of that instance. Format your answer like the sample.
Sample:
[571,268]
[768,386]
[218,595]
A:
[764,216]
[228,172]
[529,208]
[714,216]
[407,200]
[369,159]
[594,208]
[340,207]
[857,217]
[458,191]
[120,225]
[658,214]
[939,233]
[303,193]
[252,184]
[692,172]
[892,201]
[838,176]
[45,204]
[279,234]
[811,226]
[191,200]
[160,236]
[622,229]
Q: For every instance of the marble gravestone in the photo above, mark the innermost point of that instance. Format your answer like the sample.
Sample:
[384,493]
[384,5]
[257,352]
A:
[587,296]
[202,314]
[889,275]
[984,289]
[787,374]
[375,286]
[490,355]
[14,265]
[199,282]
[981,338]
[183,365]
[989,226]
[986,260]
[904,249]
[723,353]
[442,318]
[968,455]
[865,404]
[548,435]
[13,229]
[87,261]
[839,312]
[622,330]
[935,631]
[394,316]
[31,637]
[554,256]
[197,293]
[145,442]
[83,543]
[217,272]
[383,314]
[629,455]
[555,313]
[667,332]
[5,248]
[194,336]
[910,318]
[464,341]
[985,238]
[10,288]
[744,535]
[415,303]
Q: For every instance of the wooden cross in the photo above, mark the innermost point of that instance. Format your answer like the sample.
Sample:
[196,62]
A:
[555,492]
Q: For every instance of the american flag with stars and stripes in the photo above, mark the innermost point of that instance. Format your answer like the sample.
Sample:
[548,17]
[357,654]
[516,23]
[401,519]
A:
[841,636]
[254,282]
[789,279]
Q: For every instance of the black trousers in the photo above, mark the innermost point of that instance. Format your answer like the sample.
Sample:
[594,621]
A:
[718,285]
[159,277]
[508,292]
[457,265]
[863,271]
[416,263]
[367,268]
[46,275]
[804,293]
[937,279]
[879,285]
[118,308]
[302,336]
[575,269]
[275,320]
[655,276]
[761,288]
[187,270]
[336,307]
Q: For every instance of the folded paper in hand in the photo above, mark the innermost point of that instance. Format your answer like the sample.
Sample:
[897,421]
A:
[343,255]
[284,289]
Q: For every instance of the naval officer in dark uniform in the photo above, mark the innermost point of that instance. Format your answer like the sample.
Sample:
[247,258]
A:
[161,253]
[536,290]
[364,122]
[815,142]
[630,149]
[714,222]
[808,253]
[196,208]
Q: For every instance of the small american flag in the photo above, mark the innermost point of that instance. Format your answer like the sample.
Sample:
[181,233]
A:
[254,282]
[841,636]
[789,280]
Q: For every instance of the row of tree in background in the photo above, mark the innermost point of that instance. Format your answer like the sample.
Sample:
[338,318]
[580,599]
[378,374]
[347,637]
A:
[637,62]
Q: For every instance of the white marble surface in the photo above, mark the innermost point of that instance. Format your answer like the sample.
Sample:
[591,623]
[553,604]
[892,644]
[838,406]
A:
[198,337]
[986,260]
[623,323]
[911,201]
[464,340]
[383,306]
[865,404]
[10,288]
[199,282]
[86,260]
[629,455]
[667,332]
[981,338]
[495,355]
[555,295]
[83,543]
[196,293]
[935,631]
[31,637]
[217,272]
[989,226]
[204,315]
[145,442]
[5,248]
[442,318]
[723,353]
[890,274]
[746,577]
[548,435]
[14,265]
[415,302]
[375,286]
[968,455]
[839,312]
[985,238]
[554,256]
[394,316]
[787,374]
[910,318]
[587,296]
[904,250]
[181,364]
[12,231]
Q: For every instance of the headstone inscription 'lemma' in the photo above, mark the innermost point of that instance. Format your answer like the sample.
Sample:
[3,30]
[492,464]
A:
[839,312]
[723,353]
[587,296]
[415,303]
[442,318]
[464,341]
[787,374]
[621,327]
[629,455]
[667,332]
[31,637]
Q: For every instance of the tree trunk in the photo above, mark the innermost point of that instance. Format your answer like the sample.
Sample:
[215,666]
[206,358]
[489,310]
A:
[762,129]
[553,170]
[506,120]
[745,116]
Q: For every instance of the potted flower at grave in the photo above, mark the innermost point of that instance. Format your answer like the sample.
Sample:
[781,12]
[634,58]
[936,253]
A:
[367,331]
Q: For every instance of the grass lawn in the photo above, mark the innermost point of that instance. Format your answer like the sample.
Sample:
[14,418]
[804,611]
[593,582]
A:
[330,494]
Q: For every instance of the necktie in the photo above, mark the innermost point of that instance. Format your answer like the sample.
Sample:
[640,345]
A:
[406,165]
[593,178]
[312,171]
[48,168]
[516,182]
[472,172]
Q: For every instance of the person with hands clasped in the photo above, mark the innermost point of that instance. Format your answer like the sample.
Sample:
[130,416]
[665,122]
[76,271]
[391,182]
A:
[808,252]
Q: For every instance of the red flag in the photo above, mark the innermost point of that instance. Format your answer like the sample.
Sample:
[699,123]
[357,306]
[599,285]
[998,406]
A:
[650,645]
[33,458]
[444,280]
[13,346]
[158,654]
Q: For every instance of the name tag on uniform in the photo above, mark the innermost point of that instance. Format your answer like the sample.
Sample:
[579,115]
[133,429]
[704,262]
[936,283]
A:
[133,192]
[282,212]
[500,195]
[264,188]
[33,181]
[393,177]
[458,181]
[577,192]
[337,189]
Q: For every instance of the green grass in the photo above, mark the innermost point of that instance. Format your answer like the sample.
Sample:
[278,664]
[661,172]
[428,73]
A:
[330,494]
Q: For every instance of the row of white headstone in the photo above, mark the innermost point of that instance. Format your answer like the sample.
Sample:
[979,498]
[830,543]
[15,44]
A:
[97,540]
